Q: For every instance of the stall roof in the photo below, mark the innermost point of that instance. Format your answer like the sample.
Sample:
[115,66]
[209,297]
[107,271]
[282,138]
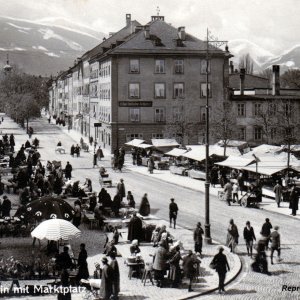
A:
[164,143]
[266,168]
[134,142]
[236,162]
[144,146]
[176,152]
[195,154]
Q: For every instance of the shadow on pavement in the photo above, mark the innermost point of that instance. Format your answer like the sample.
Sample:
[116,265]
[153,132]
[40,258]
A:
[280,272]
[239,292]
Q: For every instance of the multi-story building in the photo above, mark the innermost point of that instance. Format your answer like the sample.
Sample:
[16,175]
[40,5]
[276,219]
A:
[263,114]
[143,81]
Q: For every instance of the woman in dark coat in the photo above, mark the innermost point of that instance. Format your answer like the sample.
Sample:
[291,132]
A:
[83,272]
[294,201]
[222,266]
[175,271]
[72,151]
[106,280]
[115,276]
[151,165]
[145,206]
[135,228]
[189,269]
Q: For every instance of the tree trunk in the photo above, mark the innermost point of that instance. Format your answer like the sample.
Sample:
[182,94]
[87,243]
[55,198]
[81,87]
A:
[288,155]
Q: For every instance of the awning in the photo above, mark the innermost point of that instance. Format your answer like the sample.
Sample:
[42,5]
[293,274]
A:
[144,146]
[176,152]
[266,167]
[236,162]
[164,143]
[195,154]
[134,142]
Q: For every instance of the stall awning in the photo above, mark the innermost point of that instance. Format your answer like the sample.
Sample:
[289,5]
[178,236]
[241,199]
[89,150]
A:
[134,142]
[164,143]
[236,162]
[176,152]
[266,167]
[196,154]
[144,146]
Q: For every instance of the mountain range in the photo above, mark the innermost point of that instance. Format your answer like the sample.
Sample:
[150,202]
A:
[49,45]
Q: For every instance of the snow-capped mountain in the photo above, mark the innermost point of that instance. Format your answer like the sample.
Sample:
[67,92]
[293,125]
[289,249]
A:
[263,58]
[44,47]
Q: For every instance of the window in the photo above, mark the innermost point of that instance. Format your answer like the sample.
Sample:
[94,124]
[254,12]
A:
[134,115]
[272,109]
[159,90]
[177,114]
[178,90]
[131,136]
[241,109]
[242,133]
[257,109]
[159,115]
[203,66]
[178,66]
[159,66]
[203,90]
[134,66]
[134,90]
[257,134]
[157,136]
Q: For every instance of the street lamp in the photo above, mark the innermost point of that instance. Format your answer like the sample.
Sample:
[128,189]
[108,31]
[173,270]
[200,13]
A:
[209,40]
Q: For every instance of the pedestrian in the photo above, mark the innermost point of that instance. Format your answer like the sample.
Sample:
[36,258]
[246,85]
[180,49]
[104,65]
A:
[228,192]
[160,264]
[72,151]
[83,272]
[189,269]
[77,215]
[115,278]
[121,189]
[260,263]
[235,193]
[106,280]
[266,231]
[116,235]
[65,283]
[275,243]
[294,201]
[249,236]
[144,209]
[278,193]
[151,164]
[221,266]
[232,236]
[175,271]
[68,171]
[6,207]
[173,211]
[135,228]
[198,232]
[49,119]
[99,153]
[95,160]
[77,150]
[130,199]
[116,205]
[134,155]
[91,140]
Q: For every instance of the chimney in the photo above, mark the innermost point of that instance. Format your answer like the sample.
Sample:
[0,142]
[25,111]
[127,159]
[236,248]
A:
[242,80]
[231,67]
[181,33]
[147,32]
[276,81]
[128,20]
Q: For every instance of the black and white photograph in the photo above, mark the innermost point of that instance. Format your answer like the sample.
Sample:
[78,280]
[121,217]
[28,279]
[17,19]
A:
[149,149]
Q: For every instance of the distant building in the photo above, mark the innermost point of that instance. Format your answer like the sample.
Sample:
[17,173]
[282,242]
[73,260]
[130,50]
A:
[140,81]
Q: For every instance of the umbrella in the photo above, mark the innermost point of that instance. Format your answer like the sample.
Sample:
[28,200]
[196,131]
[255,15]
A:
[50,208]
[55,229]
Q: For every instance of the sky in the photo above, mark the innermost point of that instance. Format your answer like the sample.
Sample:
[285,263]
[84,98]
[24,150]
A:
[271,24]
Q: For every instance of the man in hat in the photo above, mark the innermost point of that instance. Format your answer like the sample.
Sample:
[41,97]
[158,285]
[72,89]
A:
[115,276]
[121,189]
[6,207]
[278,193]
[106,280]
[173,210]
[275,243]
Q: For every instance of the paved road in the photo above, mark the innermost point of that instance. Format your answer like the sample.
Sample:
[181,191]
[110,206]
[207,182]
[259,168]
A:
[191,204]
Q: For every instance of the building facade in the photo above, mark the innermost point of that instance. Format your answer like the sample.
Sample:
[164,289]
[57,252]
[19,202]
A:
[143,82]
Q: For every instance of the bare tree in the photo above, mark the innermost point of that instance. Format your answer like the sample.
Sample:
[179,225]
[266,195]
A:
[290,79]
[246,62]
[223,124]
[267,73]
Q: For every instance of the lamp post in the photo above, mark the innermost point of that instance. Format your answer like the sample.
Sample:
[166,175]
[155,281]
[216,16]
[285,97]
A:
[213,41]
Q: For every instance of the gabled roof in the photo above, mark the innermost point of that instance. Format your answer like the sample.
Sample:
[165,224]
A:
[167,36]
